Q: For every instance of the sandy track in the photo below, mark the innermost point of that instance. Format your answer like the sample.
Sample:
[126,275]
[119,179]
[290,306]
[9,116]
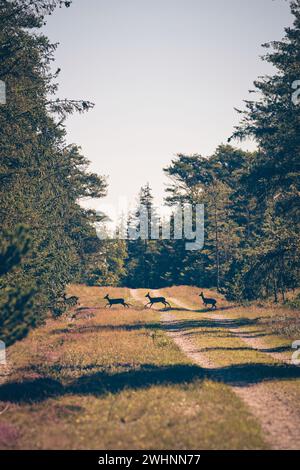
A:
[271,408]
[251,340]
[281,429]
[247,337]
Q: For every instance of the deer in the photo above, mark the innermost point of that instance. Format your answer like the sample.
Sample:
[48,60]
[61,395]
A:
[71,301]
[115,302]
[208,301]
[156,300]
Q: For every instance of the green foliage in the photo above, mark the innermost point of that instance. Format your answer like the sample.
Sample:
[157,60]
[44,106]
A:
[295,303]
[107,266]
[143,253]
[16,288]
[252,200]
[213,182]
[273,178]
[42,177]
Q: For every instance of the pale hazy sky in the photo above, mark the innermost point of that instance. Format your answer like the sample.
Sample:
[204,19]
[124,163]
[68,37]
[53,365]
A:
[165,76]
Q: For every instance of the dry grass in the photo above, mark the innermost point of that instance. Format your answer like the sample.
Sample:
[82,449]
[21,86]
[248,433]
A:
[281,323]
[229,344]
[115,380]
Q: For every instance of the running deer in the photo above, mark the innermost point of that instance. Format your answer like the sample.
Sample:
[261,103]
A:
[71,301]
[156,300]
[208,301]
[115,302]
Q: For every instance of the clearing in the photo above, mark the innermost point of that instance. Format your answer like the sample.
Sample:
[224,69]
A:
[179,378]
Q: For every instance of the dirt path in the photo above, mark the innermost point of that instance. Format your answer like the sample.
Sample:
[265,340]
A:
[249,338]
[136,295]
[256,343]
[139,297]
[281,429]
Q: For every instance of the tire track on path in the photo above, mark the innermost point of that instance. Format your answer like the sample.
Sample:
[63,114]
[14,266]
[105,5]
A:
[239,332]
[279,421]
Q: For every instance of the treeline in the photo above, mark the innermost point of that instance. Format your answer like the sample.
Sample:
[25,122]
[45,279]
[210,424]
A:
[47,239]
[252,200]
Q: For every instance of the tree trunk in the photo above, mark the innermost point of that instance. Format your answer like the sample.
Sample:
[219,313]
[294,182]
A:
[275,291]
[217,249]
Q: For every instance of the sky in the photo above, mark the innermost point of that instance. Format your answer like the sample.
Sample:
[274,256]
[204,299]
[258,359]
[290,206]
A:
[165,76]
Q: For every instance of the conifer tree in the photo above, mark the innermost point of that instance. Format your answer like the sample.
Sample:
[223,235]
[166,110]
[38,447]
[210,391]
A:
[273,182]
[42,177]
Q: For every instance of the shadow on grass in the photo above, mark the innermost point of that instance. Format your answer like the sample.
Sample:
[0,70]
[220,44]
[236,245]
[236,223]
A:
[207,323]
[221,333]
[202,310]
[100,383]
[246,348]
[182,325]
[98,328]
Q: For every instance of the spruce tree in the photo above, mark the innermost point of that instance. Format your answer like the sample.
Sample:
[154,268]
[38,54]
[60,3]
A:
[42,177]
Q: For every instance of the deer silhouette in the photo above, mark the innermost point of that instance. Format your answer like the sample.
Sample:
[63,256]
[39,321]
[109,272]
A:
[71,301]
[208,301]
[156,300]
[115,302]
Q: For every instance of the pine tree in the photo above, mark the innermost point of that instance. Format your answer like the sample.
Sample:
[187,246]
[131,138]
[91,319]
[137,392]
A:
[16,316]
[212,182]
[143,253]
[42,178]
[273,120]
[273,183]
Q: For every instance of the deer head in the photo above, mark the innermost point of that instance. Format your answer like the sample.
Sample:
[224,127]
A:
[106,297]
[147,295]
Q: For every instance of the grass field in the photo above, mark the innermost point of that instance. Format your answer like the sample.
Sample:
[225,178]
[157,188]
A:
[116,379]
